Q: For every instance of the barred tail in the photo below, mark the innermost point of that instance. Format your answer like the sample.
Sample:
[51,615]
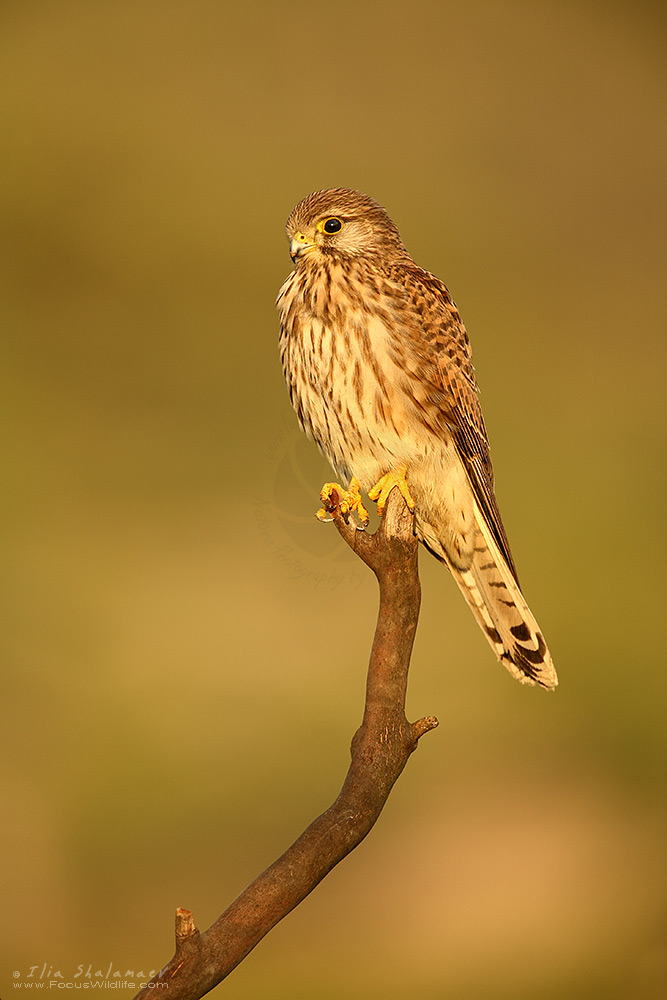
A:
[497,603]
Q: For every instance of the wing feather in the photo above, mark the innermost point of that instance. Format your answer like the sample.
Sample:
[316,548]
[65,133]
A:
[438,336]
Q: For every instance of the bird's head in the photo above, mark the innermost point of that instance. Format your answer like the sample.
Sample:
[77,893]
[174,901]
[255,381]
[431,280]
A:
[342,223]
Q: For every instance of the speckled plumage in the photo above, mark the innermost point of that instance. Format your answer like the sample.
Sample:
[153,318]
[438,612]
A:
[380,373]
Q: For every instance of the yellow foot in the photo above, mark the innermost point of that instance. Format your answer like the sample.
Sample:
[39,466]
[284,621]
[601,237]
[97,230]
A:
[384,486]
[348,500]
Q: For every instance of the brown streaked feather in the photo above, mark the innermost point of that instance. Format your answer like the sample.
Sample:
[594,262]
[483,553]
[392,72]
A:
[380,373]
[448,365]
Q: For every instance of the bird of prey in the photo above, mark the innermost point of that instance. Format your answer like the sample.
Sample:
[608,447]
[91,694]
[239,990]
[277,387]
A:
[379,370]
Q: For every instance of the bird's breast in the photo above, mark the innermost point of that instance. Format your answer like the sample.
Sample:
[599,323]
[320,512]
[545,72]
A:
[347,378]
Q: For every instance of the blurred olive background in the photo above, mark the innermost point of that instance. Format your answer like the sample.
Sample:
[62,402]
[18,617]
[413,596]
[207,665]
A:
[184,644]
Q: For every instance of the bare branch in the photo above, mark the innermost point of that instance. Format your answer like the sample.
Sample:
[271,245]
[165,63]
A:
[380,750]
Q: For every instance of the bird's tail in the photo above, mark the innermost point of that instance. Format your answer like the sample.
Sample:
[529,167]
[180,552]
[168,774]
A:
[497,603]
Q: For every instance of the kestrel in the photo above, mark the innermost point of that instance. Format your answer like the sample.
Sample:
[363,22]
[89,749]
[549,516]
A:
[380,373]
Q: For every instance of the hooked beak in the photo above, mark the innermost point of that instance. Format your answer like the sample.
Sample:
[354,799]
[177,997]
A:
[299,246]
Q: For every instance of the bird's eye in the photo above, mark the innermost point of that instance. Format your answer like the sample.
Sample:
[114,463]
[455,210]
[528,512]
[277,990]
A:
[332,226]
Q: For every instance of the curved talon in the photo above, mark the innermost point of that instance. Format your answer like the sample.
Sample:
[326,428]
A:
[385,485]
[347,501]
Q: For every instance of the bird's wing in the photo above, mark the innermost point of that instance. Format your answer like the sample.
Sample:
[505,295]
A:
[439,339]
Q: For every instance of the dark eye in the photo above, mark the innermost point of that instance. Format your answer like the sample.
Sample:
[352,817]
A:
[332,226]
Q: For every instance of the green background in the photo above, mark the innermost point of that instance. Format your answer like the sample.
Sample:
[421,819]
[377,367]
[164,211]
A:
[184,645]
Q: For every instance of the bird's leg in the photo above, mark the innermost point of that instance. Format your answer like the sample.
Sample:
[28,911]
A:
[348,500]
[385,485]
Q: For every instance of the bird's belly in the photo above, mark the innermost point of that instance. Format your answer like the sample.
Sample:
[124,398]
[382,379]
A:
[349,396]
[352,397]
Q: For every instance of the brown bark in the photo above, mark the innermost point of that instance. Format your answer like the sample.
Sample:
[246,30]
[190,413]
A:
[380,750]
